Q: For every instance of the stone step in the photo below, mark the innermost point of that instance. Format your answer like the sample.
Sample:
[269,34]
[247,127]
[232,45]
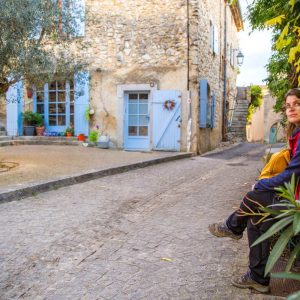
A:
[238,123]
[5,138]
[45,138]
[38,142]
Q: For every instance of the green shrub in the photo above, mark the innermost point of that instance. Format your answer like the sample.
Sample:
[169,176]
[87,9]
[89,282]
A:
[256,101]
[31,118]
[93,136]
[38,120]
[287,227]
[28,118]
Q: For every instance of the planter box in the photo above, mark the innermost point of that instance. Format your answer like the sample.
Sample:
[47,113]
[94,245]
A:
[29,130]
[103,142]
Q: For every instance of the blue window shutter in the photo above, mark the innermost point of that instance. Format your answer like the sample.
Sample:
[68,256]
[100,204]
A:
[203,103]
[14,104]
[213,110]
[81,102]
[75,9]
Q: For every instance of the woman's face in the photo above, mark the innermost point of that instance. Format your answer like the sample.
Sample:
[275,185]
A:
[292,109]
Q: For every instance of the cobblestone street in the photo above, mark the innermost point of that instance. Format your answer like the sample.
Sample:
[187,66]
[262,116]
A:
[137,235]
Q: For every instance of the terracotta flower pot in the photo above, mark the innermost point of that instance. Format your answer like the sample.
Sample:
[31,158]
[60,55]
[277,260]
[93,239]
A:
[81,137]
[40,130]
[68,134]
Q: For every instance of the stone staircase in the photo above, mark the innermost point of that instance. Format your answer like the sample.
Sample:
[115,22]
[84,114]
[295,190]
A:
[237,128]
[2,131]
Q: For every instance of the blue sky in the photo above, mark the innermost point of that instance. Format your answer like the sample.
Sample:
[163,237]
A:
[256,48]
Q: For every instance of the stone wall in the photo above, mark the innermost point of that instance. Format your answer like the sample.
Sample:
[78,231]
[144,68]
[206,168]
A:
[263,119]
[164,44]
[134,42]
[142,42]
[206,64]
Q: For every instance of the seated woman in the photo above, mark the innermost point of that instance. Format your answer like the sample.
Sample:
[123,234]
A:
[263,193]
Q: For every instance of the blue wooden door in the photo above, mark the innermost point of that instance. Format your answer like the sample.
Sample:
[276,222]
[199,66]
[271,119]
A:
[273,135]
[14,107]
[166,120]
[82,99]
[137,129]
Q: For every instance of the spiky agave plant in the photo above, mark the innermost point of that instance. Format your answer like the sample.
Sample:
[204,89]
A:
[287,224]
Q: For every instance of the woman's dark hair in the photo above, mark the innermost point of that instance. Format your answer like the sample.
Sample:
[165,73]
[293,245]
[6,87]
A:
[290,126]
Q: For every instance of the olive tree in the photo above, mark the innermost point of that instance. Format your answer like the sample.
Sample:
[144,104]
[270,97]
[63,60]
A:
[34,38]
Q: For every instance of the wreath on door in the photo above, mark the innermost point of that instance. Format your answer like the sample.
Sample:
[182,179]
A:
[169,104]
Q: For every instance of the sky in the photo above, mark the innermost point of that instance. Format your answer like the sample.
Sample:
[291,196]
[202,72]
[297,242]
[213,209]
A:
[256,48]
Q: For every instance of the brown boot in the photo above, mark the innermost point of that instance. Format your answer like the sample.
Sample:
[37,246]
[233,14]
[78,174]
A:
[246,282]
[221,230]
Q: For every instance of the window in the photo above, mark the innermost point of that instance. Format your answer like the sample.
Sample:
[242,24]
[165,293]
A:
[138,114]
[213,38]
[207,105]
[232,56]
[55,102]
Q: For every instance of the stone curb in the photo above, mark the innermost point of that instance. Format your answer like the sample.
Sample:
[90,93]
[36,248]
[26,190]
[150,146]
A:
[39,142]
[55,184]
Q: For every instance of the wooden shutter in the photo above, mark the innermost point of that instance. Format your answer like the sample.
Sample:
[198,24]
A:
[81,125]
[14,104]
[213,109]
[203,85]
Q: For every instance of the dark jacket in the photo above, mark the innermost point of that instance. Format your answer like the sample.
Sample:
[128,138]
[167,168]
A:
[268,184]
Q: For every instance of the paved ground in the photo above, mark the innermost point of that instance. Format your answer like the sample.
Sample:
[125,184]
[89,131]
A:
[38,164]
[137,235]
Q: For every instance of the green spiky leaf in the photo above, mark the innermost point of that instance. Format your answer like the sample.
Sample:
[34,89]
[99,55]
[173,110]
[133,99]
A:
[294,296]
[273,229]
[292,258]
[279,248]
[296,223]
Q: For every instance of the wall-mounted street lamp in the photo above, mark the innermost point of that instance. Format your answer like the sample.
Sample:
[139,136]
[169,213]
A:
[240,58]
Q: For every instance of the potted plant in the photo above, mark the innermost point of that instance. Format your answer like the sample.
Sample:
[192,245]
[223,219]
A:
[103,141]
[28,122]
[89,112]
[93,136]
[81,137]
[69,131]
[39,124]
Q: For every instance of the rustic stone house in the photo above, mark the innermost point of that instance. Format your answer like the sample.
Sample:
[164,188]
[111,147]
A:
[160,75]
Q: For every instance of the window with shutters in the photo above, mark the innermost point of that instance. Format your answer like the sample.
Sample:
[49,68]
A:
[55,102]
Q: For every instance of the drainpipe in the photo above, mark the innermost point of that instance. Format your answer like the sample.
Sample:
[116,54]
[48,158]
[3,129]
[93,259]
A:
[224,118]
[189,96]
[188,55]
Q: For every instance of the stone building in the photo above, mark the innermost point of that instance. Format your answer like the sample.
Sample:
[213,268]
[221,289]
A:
[160,75]
[266,124]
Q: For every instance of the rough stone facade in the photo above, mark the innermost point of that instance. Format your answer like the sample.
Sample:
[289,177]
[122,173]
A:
[142,42]
[164,45]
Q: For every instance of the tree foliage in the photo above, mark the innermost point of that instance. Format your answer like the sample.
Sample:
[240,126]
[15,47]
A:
[284,65]
[34,37]
[256,100]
